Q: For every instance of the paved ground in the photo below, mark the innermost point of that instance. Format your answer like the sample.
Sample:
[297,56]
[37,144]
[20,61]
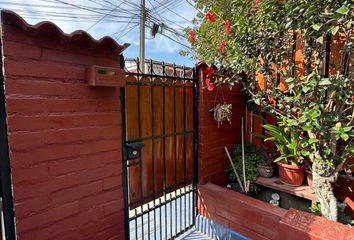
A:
[174,216]
[163,223]
[194,234]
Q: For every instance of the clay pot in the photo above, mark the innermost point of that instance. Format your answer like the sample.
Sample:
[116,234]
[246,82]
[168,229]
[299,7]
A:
[309,178]
[265,171]
[292,175]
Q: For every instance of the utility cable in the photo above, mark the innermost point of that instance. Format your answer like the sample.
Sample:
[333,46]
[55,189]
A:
[103,17]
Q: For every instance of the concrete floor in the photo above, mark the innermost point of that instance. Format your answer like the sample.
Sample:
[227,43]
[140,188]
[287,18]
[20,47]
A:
[164,222]
[175,216]
[194,234]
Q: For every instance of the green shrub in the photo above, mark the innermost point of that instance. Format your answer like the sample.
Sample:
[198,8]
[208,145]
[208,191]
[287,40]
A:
[252,158]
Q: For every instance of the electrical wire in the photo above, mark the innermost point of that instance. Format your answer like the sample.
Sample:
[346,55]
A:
[103,12]
[177,14]
[103,17]
[194,6]
[122,35]
[174,40]
[124,28]
[83,8]
[67,15]
[45,6]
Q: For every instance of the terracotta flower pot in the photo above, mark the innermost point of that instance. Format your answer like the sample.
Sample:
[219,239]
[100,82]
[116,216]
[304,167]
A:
[309,178]
[292,175]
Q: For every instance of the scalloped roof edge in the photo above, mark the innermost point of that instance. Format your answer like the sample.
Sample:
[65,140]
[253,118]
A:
[11,18]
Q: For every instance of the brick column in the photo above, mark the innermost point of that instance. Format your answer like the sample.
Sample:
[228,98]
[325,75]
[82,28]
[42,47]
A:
[64,136]
[212,158]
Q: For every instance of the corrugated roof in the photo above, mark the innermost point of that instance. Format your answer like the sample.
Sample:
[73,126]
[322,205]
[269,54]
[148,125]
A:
[11,18]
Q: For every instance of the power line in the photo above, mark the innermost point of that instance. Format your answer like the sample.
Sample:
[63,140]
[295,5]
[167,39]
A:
[43,18]
[103,17]
[104,12]
[193,6]
[125,27]
[127,2]
[177,14]
[172,39]
[61,14]
[83,8]
[45,6]
[167,4]
[122,35]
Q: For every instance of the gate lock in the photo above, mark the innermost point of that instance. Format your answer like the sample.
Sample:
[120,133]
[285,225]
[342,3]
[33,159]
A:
[134,150]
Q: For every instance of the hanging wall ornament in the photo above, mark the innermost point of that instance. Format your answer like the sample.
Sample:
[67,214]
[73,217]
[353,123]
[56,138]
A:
[222,111]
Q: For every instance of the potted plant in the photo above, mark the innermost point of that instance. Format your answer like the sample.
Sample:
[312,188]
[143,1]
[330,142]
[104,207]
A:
[290,163]
[266,165]
[310,92]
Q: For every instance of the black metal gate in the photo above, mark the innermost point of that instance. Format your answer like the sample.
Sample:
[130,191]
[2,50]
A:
[159,137]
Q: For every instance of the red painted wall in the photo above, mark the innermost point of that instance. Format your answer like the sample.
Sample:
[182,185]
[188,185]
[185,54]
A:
[212,157]
[243,214]
[259,220]
[64,138]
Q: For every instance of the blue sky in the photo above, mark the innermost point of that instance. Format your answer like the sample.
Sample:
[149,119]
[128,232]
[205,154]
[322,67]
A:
[118,19]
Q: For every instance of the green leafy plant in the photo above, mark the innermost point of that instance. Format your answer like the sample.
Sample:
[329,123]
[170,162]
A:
[251,160]
[315,101]
[315,209]
[288,142]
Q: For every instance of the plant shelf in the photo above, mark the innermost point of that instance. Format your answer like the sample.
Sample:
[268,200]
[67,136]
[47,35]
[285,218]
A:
[302,191]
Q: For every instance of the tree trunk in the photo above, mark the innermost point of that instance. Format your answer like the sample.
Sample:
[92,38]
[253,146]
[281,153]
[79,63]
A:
[322,185]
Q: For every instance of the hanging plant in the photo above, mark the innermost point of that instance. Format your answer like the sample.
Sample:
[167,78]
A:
[222,111]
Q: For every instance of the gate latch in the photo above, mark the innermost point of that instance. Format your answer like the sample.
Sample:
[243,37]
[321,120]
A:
[134,150]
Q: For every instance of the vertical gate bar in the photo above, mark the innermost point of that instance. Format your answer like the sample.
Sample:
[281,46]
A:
[185,208]
[195,144]
[171,216]
[125,167]
[164,140]
[165,220]
[152,141]
[184,145]
[5,172]
[175,130]
[148,221]
[141,162]
[160,209]
[136,225]
[190,208]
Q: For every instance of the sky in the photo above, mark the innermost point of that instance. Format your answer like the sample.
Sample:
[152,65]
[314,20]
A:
[118,19]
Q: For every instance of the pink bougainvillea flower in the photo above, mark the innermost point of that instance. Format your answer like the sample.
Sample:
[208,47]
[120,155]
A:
[207,81]
[228,29]
[209,72]
[210,87]
[210,16]
[192,37]
[257,3]
[222,46]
